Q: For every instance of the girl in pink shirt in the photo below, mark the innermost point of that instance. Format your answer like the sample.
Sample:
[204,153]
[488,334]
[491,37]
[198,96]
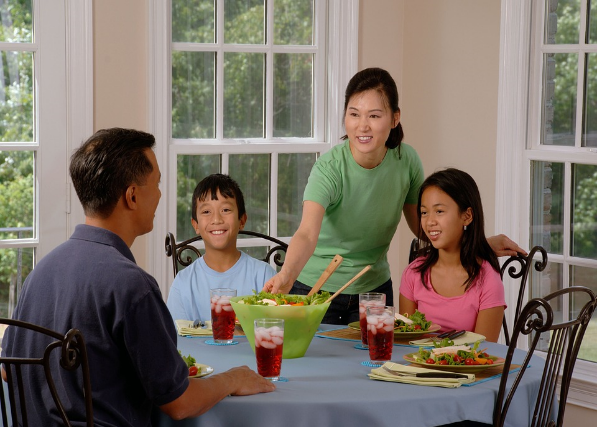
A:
[456,281]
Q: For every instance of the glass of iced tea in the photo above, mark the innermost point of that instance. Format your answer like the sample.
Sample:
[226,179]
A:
[269,341]
[368,299]
[380,333]
[222,314]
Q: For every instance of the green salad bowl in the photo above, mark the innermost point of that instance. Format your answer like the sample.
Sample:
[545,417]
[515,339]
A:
[300,323]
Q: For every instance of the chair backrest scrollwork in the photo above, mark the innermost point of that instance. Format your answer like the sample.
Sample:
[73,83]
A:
[185,252]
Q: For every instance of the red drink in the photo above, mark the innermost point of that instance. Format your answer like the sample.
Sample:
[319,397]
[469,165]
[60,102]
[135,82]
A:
[269,343]
[380,333]
[222,319]
[367,300]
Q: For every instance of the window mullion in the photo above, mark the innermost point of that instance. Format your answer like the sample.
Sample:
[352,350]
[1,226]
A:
[273,208]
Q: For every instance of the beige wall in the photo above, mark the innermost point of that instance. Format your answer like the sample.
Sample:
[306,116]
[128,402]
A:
[120,73]
[443,55]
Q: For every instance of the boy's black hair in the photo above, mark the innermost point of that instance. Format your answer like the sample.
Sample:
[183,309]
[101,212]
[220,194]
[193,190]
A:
[461,187]
[228,187]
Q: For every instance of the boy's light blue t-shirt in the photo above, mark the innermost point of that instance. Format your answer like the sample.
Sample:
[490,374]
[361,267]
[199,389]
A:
[189,296]
[362,210]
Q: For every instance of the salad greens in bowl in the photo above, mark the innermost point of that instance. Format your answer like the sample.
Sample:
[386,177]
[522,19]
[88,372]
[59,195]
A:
[302,316]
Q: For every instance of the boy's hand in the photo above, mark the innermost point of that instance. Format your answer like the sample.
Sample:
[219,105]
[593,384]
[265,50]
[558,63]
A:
[278,284]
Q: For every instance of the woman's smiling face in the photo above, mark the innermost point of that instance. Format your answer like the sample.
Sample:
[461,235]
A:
[368,122]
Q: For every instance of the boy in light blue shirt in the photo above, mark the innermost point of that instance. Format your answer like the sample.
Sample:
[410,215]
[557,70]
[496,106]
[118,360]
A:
[218,215]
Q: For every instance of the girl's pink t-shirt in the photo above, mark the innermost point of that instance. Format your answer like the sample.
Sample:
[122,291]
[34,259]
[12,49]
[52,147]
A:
[459,312]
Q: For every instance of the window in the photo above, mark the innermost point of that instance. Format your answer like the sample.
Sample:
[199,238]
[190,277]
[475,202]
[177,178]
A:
[547,128]
[252,89]
[34,136]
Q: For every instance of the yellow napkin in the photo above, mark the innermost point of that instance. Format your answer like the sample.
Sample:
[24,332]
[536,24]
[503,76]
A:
[185,328]
[467,338]
[382,375]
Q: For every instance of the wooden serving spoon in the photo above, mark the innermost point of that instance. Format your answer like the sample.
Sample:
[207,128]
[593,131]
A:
[339,291]
[332,266]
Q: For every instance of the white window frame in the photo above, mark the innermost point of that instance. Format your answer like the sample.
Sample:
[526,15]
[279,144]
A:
[517,124]
[64,117]
[342,61]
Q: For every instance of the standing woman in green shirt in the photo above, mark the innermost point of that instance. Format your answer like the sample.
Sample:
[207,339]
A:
[354,199]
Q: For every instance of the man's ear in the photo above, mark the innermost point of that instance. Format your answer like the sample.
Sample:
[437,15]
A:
[243,221]
[130,197]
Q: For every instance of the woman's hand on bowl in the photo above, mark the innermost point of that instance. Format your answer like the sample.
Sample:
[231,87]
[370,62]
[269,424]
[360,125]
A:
[278,284]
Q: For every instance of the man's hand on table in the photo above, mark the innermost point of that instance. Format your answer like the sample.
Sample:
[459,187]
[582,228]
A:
[246,381]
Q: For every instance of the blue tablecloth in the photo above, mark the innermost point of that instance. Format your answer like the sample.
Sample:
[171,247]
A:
[330,387]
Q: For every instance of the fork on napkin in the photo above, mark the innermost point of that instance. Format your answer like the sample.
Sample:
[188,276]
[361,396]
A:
[395,372]
[186,328]
[467,338]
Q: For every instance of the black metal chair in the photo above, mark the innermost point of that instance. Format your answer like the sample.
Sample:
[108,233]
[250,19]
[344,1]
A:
[175,250]
[519,267]
[72,356]
[565,338]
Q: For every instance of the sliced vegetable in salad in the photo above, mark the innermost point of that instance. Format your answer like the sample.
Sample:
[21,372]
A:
[454,355]
[266,298]
[414,322]
[190,361]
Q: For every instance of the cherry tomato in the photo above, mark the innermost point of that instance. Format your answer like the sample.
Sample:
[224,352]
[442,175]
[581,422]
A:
[430,361]
[489,362]
[469,361]
[457,359]
[193,371]
[417,327]
[443,362]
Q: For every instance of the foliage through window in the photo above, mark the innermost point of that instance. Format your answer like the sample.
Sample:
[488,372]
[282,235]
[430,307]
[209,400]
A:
[246,80]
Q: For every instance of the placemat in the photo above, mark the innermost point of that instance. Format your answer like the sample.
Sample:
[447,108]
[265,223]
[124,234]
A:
[490,374]
[350,334]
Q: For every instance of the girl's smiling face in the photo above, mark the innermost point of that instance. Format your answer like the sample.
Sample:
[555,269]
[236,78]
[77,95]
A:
[368,122]
[441,219]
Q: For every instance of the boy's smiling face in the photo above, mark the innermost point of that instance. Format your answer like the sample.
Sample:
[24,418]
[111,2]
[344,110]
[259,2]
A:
[218,222]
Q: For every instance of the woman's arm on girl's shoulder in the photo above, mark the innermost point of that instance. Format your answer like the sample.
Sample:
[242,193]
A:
[502,245]
[489,323]
[412,219]
[301,247]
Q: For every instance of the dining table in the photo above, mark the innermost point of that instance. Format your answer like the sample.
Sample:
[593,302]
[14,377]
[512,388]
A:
[329,386]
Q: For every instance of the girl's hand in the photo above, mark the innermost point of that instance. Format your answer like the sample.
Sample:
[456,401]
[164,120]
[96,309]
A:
[278,284]
[503,246]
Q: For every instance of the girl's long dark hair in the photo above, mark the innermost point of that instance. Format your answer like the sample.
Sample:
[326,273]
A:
[461,187]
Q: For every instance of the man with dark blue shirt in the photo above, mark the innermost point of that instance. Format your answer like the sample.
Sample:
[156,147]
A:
[91,282]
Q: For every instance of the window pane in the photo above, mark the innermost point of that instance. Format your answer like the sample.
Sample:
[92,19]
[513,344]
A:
[293,171]
[563,21]
[15,265]
[16,97]
[559,99]
[244,22]
[584,211]
[193,94]
[547,208]
[252,172]
[293,22]
[190,170]
[244,95]
[15,16]
[590,105]
[584,276]
[592,22]
[16,194]
[293,95]
[193,21]
[543,283]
